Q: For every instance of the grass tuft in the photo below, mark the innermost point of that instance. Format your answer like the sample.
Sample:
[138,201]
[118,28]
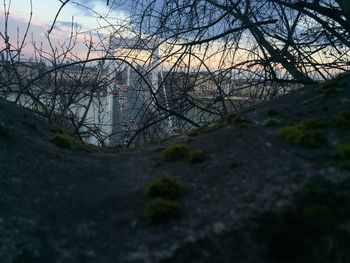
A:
[232,118]
[62,140]
[162,210]
[342,151]
[196,156]
[333,86]
[342,120]
[56,128]
[175,152]
[307,133]
[165,186]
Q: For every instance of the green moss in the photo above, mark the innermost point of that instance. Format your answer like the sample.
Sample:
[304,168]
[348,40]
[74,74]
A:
[342,119]
[232,118]
[56,128]
[63,140]
[333,86]
[198,131]
[319,218]
[196,156]
[306,133]
[165,186]
[343,151]
[233,164]
[271,122]
[175,152]
[4,130]
[162,210]
[86,147]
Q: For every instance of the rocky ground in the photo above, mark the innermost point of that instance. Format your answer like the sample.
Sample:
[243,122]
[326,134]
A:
[255,194]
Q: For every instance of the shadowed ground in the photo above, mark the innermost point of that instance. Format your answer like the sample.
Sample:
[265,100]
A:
[69,205]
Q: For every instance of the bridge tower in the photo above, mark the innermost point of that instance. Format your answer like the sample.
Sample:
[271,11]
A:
[112,110]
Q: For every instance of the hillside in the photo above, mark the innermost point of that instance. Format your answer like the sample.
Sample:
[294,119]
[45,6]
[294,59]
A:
[254,188]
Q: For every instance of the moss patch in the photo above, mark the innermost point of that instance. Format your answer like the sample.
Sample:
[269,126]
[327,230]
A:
[343,151]
[165,186]
[342,120]
[196,156]
[4,130]
[175,152]
[333,86]
[232,118]
[62,140]
[306,133]
[56,128]
[161,211]
[86,147]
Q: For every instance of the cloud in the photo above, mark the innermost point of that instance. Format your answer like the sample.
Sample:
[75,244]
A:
[89,26]
[16,29]
[37,35]
[89,7]
[68,24]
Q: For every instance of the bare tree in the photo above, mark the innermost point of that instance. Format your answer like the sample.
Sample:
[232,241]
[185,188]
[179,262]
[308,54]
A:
[215,57]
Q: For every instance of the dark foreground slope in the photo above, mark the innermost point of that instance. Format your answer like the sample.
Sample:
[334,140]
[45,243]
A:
[255,197]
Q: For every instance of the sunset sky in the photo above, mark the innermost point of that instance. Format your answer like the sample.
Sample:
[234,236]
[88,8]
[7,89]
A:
[84,13]
[44,12]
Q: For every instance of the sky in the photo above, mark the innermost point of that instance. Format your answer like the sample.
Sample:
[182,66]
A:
[84,13]
[44,11]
